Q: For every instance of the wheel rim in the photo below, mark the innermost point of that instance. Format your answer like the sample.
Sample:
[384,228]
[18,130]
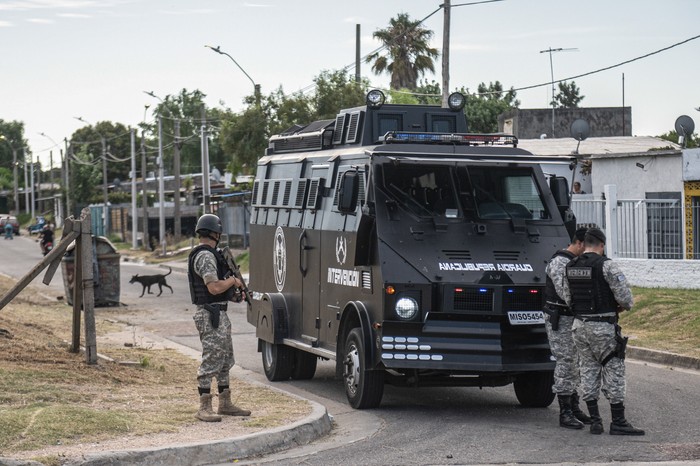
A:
[267,354]
[352,370]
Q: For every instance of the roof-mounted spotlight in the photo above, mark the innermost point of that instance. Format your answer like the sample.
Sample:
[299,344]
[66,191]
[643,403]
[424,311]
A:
[375,98]
[456,101]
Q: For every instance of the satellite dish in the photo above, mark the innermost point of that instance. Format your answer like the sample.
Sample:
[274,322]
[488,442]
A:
[684,127]
[580,130]
[216,174]
[117,182]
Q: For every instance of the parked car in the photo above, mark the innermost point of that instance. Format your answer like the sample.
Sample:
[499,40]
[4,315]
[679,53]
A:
[13,221]
[36,228]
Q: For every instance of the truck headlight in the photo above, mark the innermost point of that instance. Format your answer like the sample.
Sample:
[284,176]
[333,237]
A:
[406,308]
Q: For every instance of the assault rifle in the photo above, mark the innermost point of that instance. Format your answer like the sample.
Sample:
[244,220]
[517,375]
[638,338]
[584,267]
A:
[235,270]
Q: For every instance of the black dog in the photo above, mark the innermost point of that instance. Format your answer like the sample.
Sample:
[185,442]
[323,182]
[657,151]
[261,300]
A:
[149,280]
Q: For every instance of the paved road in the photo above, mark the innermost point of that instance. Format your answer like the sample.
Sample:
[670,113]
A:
[435,425]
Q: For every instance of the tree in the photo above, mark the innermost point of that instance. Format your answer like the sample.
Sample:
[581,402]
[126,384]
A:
[336,90]
[409,53]
[12,134]
[85,175]
[568,96]
[690,142]
[482,110]
[88,141]
[429,93]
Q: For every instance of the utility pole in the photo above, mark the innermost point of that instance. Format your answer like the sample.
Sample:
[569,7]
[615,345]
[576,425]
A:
[105,198]
[134,216]
[206,189]
[176,168]
[69,212]
[144,193]
[358,59]
[31,175]
[26,186]
[161,185]
[14,181]
[446,54]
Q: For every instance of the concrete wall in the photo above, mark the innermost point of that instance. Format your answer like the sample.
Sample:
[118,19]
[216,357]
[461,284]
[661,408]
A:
[661,173]
[660,273]
[691,164]
[532,123]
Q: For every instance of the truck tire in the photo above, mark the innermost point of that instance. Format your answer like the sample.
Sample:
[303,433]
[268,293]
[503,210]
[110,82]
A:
[363,388]
[304,365]
[277,361]
[534,390]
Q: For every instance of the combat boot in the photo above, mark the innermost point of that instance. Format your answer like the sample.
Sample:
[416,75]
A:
[205,412]
[596,421]
[620,425]
[576,409]
[227,407]
[566,416]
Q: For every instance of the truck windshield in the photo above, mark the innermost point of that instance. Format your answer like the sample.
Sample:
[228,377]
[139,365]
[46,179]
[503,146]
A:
[461,191]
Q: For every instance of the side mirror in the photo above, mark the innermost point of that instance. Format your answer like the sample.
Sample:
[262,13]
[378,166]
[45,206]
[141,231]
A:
[560,190]
[348,190]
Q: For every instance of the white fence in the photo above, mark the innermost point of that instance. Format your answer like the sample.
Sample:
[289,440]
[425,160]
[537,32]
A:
[640,228]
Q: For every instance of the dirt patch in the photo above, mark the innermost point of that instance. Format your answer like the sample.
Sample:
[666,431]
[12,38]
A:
[54,406]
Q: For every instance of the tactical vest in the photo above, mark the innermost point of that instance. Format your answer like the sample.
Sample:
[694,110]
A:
[550,293]
[590,293]
[198,290]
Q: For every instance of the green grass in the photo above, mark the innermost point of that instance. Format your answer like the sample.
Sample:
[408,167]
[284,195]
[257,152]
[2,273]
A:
[664,319]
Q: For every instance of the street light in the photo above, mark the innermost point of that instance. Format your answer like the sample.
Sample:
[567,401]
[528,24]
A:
[256,87]
[14,172]
[105,220]
[550,50]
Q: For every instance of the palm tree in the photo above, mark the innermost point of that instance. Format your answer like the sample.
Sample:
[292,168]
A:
[409,54]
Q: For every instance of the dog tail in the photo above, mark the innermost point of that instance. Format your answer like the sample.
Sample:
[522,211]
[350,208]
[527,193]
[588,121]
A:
[169,272]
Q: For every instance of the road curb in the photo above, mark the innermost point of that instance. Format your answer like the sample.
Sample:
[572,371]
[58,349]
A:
[663,357]
[317,424]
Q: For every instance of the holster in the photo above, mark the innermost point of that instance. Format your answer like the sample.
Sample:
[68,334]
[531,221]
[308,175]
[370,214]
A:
[214,313]
[553,317]
[620,346]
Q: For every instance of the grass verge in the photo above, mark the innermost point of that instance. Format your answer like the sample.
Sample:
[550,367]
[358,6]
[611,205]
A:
[49,396]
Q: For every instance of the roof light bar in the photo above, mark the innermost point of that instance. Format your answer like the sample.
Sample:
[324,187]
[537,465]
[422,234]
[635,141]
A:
[466,139]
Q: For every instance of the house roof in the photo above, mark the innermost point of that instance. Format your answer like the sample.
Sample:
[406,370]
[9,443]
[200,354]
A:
[610,147]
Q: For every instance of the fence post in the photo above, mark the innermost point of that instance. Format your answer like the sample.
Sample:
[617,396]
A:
[610,191]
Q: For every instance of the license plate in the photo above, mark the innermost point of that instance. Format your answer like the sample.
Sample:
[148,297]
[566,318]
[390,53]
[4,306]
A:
[526,317]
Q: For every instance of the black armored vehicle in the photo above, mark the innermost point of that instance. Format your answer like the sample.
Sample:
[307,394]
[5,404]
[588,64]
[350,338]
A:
[407,250]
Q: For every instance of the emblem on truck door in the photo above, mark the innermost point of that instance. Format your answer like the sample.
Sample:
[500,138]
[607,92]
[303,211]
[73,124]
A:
[279,259]
[341,249]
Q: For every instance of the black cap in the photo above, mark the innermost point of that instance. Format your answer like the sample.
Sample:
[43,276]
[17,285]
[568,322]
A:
[580,234]
[596,233]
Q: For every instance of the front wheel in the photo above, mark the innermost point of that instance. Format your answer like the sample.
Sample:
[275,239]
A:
[304,365]
[534,390]
[363,388]
[277,361]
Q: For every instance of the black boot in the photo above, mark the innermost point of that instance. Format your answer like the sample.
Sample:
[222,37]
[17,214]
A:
[566,417]
[620,425]
[576,409]
[596,421]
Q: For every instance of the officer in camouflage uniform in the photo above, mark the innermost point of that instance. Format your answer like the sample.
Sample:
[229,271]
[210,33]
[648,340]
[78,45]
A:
[596,289]
[558,322]
[211,288]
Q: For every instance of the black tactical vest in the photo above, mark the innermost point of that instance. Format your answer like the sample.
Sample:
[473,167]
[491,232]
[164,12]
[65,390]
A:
[198,290]
[550,293]
[590,293]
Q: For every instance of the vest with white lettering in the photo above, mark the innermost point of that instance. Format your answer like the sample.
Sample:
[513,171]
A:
[590,293]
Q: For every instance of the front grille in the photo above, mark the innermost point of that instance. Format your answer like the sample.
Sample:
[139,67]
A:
[523,299]
[473,299]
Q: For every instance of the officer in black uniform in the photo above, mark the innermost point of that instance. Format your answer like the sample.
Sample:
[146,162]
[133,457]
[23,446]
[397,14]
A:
[211,287]
[598,291]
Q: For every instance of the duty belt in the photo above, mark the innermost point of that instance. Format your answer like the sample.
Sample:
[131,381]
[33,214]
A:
[563,309]
[608,319]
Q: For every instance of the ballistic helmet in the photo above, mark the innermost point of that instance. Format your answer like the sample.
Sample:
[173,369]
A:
[209,222]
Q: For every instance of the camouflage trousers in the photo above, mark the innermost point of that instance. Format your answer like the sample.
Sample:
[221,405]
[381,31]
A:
[217,349]
[561,342]
[594,341]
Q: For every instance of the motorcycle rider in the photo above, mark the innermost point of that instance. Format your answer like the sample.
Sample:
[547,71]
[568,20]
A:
[46,237]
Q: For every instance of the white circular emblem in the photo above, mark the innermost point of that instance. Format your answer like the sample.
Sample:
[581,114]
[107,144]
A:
[279,259]
[341,249]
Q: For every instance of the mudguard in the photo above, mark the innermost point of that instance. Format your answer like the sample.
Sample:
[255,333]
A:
[272,322]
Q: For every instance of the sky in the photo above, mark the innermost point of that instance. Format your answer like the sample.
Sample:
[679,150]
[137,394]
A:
[61,59]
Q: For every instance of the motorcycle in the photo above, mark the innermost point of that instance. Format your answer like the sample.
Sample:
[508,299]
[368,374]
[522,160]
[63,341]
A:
[47,247]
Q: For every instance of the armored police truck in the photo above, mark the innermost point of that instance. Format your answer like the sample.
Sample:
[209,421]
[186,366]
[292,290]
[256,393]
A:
[407,250]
